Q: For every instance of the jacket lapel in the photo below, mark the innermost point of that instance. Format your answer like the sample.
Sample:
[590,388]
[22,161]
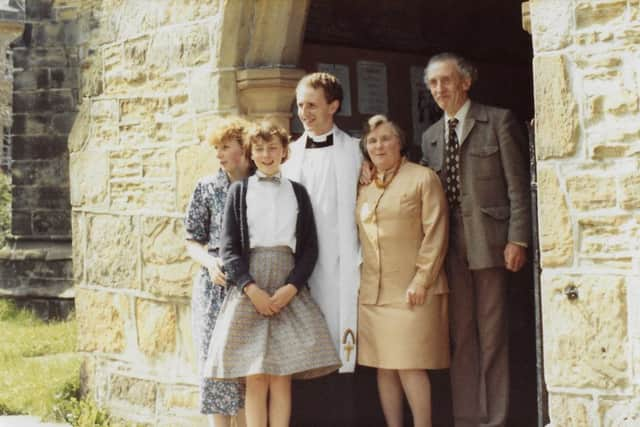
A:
[476,114]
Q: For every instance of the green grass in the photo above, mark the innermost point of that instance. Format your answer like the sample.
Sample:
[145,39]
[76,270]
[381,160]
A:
[37,361]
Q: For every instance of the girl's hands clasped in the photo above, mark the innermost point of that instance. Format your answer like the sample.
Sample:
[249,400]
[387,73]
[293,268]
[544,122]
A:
[266,304]
[283,296]
[260,299]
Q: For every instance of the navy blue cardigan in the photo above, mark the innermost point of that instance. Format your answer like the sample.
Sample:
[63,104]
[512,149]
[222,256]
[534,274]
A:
[234,247]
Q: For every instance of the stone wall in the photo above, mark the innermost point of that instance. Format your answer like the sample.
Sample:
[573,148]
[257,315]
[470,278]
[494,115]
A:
[152,80]
[587,85]
[36,263]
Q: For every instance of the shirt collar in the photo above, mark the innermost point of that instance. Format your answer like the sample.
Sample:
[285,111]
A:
[461,115]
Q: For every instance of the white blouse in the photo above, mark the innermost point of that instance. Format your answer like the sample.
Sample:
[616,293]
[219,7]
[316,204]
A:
[272,213]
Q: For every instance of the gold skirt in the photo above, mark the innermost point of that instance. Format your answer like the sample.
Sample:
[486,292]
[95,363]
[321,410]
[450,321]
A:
[398,336]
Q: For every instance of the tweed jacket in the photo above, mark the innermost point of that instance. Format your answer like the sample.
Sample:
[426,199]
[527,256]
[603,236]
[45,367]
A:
[234,248]
[494,192]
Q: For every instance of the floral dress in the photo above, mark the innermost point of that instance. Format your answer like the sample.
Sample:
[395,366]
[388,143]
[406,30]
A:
[203,224]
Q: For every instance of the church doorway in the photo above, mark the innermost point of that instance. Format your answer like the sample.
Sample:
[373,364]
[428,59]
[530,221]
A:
[379,51]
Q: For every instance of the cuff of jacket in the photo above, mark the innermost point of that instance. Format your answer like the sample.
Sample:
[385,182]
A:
[243,281]
[296,282]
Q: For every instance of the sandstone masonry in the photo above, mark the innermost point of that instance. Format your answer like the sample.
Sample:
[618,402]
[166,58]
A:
[587,81]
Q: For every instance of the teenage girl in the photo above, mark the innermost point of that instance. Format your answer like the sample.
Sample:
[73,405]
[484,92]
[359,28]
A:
[269,330]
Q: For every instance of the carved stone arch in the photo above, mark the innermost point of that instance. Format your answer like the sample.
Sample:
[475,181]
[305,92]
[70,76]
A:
[262,40]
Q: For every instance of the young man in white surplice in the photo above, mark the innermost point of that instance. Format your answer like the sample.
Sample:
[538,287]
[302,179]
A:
[327,162]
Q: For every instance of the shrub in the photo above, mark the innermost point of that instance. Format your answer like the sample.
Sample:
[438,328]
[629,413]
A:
[70,408]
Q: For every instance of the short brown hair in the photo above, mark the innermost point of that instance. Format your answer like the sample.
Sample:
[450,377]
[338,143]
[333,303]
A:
[329,84]
[372,124]
[267,131]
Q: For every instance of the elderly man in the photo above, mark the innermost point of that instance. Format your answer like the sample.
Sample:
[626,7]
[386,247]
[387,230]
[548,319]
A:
[476,150]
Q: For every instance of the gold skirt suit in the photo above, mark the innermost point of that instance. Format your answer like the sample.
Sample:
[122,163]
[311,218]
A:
[403,230]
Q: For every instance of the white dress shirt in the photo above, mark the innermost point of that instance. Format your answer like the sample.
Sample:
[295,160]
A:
[272,213]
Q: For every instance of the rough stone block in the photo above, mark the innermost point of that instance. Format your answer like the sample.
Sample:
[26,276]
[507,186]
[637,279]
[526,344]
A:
[52,222]
[585,345]
[31,80]
[600,12]
[79,134]
[556,235]
[125,164]
[48,33]
[78,244]
[42,197]
[621,102]
[90,171]
[38,9]
[186,350]
[570,411]
[38,147]
[213,90]
[177,11]
[167,270]
[135,51]
[134,18]
[192,163]
[588,192]
[105,266]
[62,123]
[556,108]
[608,237]
[158,163]
[156,325]
[101,320]
[135,391]
[551,24]
[91,76]
[179,398]
[66,78]
[630,194]
[30,124]
[141,110]
[620,413]
[140,194]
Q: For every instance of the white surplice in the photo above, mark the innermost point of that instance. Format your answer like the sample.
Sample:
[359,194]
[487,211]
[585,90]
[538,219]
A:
[330,175]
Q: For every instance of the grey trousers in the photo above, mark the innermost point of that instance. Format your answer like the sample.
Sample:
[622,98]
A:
[480,363]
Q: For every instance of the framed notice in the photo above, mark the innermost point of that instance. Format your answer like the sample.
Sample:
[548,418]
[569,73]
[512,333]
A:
[342,73]
[372,87]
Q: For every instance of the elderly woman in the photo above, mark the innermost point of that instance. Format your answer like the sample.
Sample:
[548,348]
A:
[218,400]
[403,320]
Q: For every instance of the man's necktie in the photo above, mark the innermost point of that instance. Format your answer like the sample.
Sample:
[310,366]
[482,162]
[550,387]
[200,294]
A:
[319,144]
[452,163]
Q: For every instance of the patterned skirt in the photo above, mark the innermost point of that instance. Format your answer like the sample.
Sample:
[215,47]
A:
[216,397]
[293,342]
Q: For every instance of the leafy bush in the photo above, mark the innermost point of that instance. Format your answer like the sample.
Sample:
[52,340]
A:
[68,407]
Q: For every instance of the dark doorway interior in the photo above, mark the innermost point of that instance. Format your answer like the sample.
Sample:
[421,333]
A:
[401,35]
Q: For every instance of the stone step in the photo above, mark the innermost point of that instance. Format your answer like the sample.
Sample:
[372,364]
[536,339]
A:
[26,421]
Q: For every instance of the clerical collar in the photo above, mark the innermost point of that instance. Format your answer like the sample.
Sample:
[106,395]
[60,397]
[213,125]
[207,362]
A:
[320,138]
[328,142]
